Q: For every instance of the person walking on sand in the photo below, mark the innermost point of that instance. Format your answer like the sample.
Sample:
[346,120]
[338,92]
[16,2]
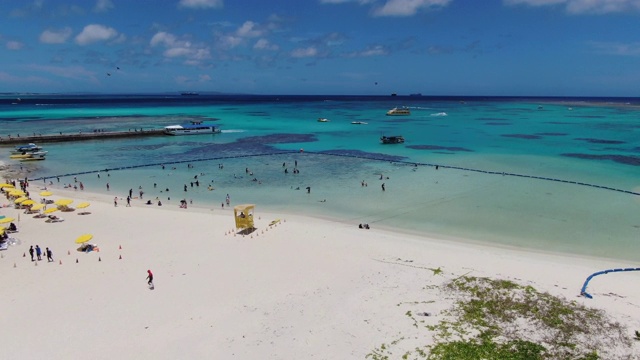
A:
[38,252]
[115,201]
[128,201]
[49,255]
[31,251]
[150,278]
[382,186]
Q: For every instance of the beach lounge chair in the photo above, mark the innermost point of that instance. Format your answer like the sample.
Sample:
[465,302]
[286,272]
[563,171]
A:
[54,219]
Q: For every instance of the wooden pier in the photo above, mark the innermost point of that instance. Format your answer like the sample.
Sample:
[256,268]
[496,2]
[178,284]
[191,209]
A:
[50,138]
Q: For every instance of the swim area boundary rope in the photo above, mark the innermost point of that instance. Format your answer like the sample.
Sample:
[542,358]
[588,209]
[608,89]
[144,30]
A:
[584,292]
[412,163]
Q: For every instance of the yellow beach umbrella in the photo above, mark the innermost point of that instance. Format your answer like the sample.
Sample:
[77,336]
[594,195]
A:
[84,238]
[46,193]
[5,185]
[63,202]
[83,205]
[6,220]
[16,192]
[20,199]
[28,202]
[37,207]
[50,210]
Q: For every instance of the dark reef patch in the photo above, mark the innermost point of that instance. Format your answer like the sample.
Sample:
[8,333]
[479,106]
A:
[498,123]
[258,113]
[279,139]
[492,119]
[622,159]
[363,154]
[438,148]
[523,136]
[600,141]
[587,116]
[249,146]
[552,134]
[20,118]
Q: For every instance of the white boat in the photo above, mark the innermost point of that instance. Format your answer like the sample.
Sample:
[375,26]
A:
[399,111]
[323,120]
[359,123]
[31,147]
[193,128]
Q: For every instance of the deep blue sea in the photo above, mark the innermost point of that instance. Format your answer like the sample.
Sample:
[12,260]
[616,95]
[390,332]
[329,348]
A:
[549,174]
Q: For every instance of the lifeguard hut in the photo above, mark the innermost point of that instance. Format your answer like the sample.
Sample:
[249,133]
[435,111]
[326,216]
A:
[244,216]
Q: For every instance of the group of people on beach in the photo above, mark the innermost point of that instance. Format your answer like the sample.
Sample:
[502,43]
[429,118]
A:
[38,253]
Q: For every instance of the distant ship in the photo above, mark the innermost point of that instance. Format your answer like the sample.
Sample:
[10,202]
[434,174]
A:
[189,93]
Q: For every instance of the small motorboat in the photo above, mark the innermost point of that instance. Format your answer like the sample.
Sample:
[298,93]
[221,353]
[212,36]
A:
[323,120]
[359,123]
[397,139]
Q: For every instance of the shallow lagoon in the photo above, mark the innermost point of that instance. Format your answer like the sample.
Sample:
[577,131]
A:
[590,144]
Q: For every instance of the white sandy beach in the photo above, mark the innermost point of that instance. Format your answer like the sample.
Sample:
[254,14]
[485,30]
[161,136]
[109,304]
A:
[306,288]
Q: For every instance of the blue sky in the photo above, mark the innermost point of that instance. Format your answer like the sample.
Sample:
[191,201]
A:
[368,47]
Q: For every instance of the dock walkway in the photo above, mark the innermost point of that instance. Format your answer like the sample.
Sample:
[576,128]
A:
[49,138]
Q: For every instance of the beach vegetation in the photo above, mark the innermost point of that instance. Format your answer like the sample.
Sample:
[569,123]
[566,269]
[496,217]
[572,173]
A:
[501,319]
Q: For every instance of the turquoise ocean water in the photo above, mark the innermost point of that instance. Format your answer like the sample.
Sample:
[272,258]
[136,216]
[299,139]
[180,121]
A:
[516,172]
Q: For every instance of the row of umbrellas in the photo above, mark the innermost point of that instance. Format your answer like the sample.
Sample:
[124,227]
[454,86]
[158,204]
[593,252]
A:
[33,206]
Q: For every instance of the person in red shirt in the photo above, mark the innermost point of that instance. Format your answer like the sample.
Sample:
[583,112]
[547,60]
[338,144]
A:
[150,278]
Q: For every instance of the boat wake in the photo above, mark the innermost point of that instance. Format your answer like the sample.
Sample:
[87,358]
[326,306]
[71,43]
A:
[439,114]
[232,131]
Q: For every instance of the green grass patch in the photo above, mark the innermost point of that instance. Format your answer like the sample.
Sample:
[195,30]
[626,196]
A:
[503,320]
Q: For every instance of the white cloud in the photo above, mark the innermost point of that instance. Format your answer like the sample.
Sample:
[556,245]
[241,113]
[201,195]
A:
[230,41]
[304,52]
[407,7]
[163,38]
[194,54]
[615,48]
[94,33]
[376,50]
[584,6]
[248,29]
[14,45]
[55,36]
[264,44]
[200,4]
[204,78]
[103,6]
